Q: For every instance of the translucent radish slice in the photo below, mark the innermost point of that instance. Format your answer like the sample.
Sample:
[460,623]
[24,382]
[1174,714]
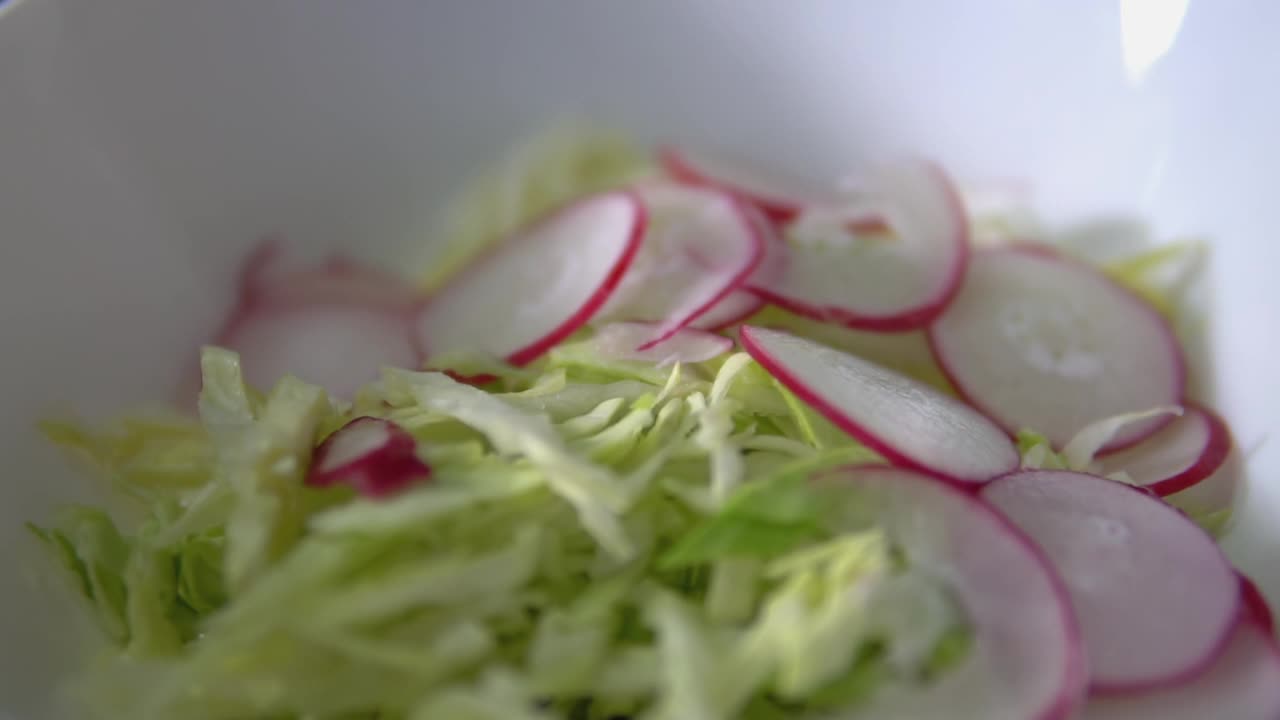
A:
[621,341]
[781,198]
[904,420]
[337,347]
[881,283]
[272,276]
[1155,596]
[701,246]
[1027,661]
[1193,450]
[539,285]
[374,456]
[736,307]
[1038,341]
[1244,684]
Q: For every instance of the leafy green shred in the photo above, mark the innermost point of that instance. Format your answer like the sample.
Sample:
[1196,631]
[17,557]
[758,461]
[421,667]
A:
[597,541]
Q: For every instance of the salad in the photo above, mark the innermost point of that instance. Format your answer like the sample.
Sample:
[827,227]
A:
[666,437]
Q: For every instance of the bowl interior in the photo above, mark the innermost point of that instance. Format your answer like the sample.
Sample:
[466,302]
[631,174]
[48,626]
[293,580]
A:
[145,145]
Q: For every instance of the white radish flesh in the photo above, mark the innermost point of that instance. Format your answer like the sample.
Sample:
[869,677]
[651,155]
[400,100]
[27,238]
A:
[1244,684]
[337,347]
[621,341]
[880,283]
[1026,661]
[780,198]
[906,421]
[374,456]
[1155,596]
[1041,342]
[539,285]
[701,245]
[1190,461]
[736,307]
[272,275]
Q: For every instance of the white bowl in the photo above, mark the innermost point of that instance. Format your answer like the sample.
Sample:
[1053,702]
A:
[144,144]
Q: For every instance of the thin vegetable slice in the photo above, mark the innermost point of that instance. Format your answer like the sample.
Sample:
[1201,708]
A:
[374,456]
[1038,341]
[1191,461]
[906,421]
[780,198]
[701,245]
[1027,660]
[1156,598]
[878,283]
[1243,684]
[621,341]
[539,285]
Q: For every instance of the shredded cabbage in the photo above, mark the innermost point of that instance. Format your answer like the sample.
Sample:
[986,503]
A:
[596,542]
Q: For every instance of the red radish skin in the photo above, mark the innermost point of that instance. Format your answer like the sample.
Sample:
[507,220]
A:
[1156,598]
[889,285]
[779,205]
[1244,684]
[998,344]
[1027,660]
[374,456]
[906,421]
[499,304]
[622,341]
[1191,450]
[701,246]
[1255,605]
[776,205]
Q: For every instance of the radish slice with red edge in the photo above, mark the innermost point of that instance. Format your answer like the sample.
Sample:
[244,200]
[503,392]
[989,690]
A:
[539,285]
[621,341]
[1255,605]
[270,276]
[1244,684]
[337,347]
[1156,598]
[1027,660]
[1042,342]
[889,284]
[780,198]
[329,325]
[905,420]
[374,456]
[1190,461]
[701,245]
[736,307]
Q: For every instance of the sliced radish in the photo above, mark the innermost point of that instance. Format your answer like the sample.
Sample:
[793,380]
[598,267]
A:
[271,276]
[897,283]
[1156,598]
[904,420]
[1189,460]
[332,325]
[621,341]
[780,198]
[1027,660]
[701,245]
[733,309]
[374,456]
[1041,342]
[1256,605]
[1244,684]
[337,347]
[541,284]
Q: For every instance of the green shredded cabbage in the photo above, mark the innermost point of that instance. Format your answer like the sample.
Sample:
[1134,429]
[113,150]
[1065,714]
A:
[595,543]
